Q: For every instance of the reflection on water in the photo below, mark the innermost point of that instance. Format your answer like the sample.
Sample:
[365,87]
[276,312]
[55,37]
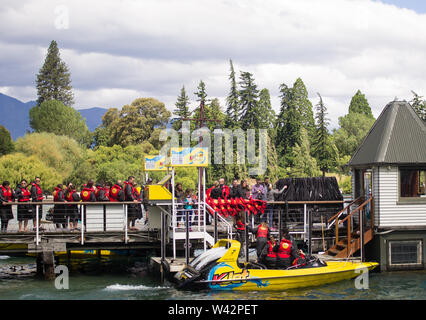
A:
[128,278]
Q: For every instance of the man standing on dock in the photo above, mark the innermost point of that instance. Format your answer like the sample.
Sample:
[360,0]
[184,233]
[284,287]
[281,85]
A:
[37,196]
[131,194]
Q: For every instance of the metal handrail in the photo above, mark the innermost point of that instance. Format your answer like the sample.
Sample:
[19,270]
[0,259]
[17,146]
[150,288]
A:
[337,215]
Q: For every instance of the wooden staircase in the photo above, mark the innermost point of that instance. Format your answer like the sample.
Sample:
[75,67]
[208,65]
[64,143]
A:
[344,248]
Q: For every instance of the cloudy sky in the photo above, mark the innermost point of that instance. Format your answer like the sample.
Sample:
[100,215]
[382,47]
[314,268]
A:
[120,50]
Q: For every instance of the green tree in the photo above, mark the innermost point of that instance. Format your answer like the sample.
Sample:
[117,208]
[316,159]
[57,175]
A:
[6,142]
[55,117]
[304,107]
[268,117]
[419,105]
[289,124]
[232,102]
[135,123]
[182,108]
[17,166]
[201,92]
[249,94]
[323,148]
[304,164]
[359,104]
[60,153]
[353,128]
[54,79]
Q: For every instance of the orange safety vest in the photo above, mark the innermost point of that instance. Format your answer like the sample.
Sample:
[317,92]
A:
[69,197]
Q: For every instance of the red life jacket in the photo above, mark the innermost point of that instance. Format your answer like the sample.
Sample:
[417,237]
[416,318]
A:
[56,193]
[25,195]
[296,261]
[262,232]
[85,194]
[284,250]
[106,192]
[134,192]
[113,195]
[7,193]
[225,191]
[271,252]
[39,191]
[69,197]
[97,191]
[241,226]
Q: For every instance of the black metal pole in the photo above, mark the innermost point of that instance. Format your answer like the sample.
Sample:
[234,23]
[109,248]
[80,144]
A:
[187,236]
[163,255]
[309,213]
[105,226]
[286,213]
[280,232]
[215,227]
[246,236]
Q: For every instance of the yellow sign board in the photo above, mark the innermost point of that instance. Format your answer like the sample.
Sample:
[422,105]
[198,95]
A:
[189,157]
[155,163]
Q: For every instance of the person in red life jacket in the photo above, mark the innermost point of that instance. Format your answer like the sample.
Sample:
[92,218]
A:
[6,195]
[100,193]
[23,195]
[262,235]
[116,193]
[59,210]
[300,261]
[131,194]
[71,196]
[108,186]
[240,230]
[268,256]
[88,193]
[139,214]
[37,197]
[224,189]
[286,251]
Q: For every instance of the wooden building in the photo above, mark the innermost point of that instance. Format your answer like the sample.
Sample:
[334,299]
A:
[390,166]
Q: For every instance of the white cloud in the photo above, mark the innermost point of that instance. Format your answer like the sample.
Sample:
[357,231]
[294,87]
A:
[120,50]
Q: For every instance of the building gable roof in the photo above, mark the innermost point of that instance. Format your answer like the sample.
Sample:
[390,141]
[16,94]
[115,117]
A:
[397,137]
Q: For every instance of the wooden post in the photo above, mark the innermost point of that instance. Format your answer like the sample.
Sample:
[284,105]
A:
[48,265]
[39,264]
[349,247]
[337,229]
[361,234]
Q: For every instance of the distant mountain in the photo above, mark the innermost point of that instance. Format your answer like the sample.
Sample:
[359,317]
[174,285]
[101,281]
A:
[93,117]
[14,116]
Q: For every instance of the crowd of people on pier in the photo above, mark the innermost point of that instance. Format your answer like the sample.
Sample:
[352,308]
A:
[65,213]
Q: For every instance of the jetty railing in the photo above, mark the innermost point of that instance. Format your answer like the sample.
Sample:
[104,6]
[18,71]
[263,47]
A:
[94,217]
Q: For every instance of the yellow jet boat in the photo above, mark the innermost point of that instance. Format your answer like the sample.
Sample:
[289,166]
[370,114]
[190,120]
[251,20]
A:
[219,269]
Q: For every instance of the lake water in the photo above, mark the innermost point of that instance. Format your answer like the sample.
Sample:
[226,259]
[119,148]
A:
[127,278]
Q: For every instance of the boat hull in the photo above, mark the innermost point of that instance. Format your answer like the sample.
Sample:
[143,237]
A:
[225,277]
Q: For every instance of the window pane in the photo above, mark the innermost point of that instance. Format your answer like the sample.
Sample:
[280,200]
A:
[409,183]
[404,252]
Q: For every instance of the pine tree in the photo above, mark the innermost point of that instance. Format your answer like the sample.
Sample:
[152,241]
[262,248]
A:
[304,106]
[359,104]
[265,109]
[250,117]
[232,101]
[323,148]
[6,142]
[304,165]
[419,105]
[54,79]
[201,92]
[288,126]
[182,108]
